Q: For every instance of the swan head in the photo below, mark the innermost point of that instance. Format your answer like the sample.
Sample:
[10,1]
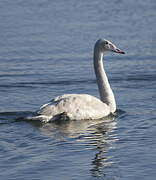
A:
[106,46]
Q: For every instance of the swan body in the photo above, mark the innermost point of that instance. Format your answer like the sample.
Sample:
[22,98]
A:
[84,106]
[75,107]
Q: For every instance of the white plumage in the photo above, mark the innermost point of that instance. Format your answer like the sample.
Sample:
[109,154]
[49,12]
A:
[84,106]
[75,107]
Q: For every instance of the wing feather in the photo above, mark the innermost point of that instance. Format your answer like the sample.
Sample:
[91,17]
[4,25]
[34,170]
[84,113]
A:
[76,106]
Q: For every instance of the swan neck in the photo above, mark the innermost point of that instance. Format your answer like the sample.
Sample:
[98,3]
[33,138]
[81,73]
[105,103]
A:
[105,91]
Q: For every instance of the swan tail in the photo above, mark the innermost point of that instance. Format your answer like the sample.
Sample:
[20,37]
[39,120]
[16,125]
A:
[44,118]
[41,118]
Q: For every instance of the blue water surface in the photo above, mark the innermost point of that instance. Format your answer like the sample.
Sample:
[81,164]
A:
[46,49]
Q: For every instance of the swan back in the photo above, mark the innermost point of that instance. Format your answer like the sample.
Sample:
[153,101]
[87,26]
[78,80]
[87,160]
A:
[76,107]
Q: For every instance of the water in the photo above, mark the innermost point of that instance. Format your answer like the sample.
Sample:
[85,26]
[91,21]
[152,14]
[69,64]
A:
[46,50]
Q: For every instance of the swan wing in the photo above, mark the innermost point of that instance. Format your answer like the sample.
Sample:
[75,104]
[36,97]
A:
[75,106]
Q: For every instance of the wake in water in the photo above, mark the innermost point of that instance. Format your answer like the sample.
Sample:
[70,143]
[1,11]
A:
[10,117]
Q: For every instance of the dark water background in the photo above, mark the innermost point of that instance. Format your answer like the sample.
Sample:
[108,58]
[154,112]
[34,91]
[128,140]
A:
[46,50]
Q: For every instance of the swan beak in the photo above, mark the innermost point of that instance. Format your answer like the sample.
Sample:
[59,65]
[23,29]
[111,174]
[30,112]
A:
[118,51]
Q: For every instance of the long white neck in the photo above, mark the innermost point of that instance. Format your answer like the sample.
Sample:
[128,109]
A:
[106,93]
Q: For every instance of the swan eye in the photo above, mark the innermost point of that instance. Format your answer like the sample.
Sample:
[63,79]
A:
[106,42]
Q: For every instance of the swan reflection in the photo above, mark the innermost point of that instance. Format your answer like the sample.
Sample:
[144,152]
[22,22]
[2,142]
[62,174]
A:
[96,135]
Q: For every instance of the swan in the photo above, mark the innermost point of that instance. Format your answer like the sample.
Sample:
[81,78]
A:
[84,106]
